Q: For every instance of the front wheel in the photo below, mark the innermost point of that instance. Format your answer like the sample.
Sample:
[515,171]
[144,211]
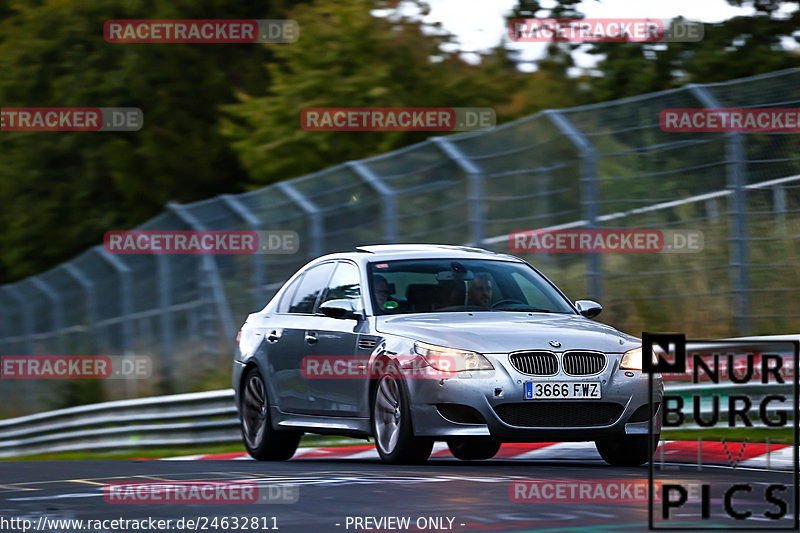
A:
[628,450]
[473,448]
[391,425]
[261,440]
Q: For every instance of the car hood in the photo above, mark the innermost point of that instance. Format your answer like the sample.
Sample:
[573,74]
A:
[503,332]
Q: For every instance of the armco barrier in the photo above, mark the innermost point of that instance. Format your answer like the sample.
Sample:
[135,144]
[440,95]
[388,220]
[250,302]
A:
[179,419]
[211,417]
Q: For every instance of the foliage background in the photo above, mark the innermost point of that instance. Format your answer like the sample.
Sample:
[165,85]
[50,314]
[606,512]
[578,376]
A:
[225,118]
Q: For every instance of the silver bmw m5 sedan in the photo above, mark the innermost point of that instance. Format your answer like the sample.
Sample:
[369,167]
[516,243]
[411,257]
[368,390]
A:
[409,344]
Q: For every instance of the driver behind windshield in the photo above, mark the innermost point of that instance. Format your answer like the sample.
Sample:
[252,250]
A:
[480,291]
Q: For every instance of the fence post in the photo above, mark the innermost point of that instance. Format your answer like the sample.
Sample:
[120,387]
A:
[29,387]
[314,216]
[779,198]
[209,318]
[589,191]
[735,177]
[209,266]
[89,298]
[27,318]
[779,206]
[56,312]
[388,199]
[165,316]
[475,195]
[4,329]
[711,209]
[124,274]
[543,185]
[258,259]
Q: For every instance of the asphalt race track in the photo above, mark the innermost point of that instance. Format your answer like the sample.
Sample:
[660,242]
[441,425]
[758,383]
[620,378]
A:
[474,495]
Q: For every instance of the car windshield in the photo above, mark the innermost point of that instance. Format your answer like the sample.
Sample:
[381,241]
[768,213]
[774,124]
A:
[445,285]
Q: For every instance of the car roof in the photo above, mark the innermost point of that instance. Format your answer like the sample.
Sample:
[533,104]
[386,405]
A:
[388,252]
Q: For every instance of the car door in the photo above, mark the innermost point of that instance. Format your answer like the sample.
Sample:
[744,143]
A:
[286,338]
[275,334]
[336,391]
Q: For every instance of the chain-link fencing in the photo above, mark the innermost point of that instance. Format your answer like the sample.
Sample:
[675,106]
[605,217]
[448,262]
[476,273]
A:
[606,165]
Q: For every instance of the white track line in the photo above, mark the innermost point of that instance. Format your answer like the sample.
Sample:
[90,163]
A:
[562,450]
[782,459]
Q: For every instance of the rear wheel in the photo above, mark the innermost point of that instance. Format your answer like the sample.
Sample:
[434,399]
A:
[473,448]
[628,450]
[260,439]
[391,425]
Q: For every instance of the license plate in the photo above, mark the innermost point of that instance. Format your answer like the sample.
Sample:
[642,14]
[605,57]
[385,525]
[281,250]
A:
[570,390]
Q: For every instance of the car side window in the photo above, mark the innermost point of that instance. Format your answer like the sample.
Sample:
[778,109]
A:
[286,299]
[314,282]
[345,285]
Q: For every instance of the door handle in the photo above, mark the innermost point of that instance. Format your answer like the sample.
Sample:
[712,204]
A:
[273,337]
[311,338]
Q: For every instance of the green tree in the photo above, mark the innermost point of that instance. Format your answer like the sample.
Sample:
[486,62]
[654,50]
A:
[348,57]
[61,191]
[738,47]
[553,84]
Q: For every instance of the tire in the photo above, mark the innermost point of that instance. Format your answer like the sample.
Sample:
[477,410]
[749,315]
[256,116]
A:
[262,441]
[473,448]
[391,424]
[628,450]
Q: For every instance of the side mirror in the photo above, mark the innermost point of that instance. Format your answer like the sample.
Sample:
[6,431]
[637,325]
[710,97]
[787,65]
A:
[339,309]
[588,308]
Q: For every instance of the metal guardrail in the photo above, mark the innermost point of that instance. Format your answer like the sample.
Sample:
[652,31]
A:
[179,419]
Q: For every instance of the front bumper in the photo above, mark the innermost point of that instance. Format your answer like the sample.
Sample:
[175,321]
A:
[485,391]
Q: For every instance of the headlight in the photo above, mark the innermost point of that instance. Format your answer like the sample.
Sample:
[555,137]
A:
[632,359]
[450,359]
